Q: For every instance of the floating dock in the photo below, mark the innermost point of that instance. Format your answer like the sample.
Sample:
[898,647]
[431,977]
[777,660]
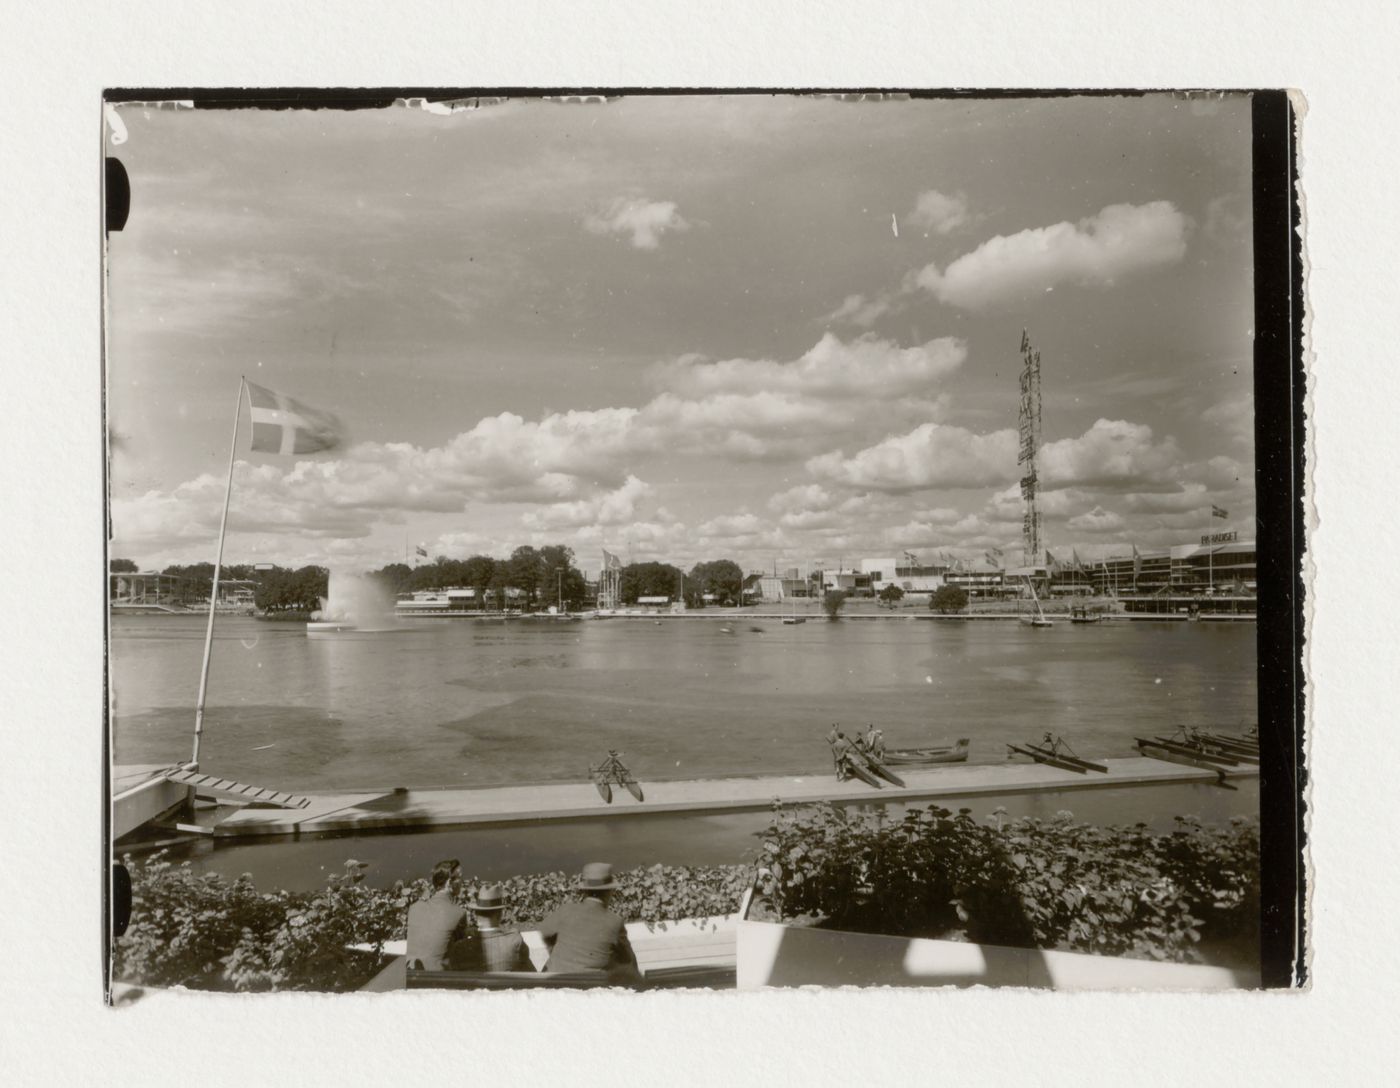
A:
[369,811]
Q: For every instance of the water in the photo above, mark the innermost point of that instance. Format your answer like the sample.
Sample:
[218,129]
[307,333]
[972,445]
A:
[479,703]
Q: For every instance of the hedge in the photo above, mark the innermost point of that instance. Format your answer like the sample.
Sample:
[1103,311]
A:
[205,931]
[1026,883]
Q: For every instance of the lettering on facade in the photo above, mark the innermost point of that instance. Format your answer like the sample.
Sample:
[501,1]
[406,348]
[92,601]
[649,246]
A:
[1220,538]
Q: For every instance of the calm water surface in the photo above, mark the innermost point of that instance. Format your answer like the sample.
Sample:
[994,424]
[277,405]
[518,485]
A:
[478,703]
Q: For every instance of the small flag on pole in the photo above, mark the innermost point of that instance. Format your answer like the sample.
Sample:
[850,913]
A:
[421,551]
[286,426]
[1218,511]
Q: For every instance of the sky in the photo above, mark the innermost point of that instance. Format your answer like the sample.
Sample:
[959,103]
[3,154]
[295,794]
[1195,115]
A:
[779,329]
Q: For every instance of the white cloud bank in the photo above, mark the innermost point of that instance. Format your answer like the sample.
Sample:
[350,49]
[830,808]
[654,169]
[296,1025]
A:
[645,220]
[1120,239]
[939,212]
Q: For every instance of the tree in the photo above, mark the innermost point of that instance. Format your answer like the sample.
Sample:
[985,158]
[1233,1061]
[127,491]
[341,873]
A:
[649,580]
[395,578]
[833,602]
[722,578]
[891,594]
[559,576]
[123,566]
[948,599]
[526,569]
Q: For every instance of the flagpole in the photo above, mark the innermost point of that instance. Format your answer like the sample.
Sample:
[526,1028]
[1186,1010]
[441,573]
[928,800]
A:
[214,589]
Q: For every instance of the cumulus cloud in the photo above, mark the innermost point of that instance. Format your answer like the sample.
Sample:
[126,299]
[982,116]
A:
[939,212]
[931,455]
[1113,453]
[867,367]
[859,310]
[645,220]
[1234,417]
[610,508]
[1120,239]
[1097,520]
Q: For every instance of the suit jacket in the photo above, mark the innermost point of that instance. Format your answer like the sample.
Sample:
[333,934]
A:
[433,924]
[501,949]
[586,936]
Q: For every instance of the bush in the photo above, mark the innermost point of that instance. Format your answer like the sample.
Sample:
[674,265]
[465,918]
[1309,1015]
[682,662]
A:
[948,599]
[833,601]
[1027,883]
[207,932]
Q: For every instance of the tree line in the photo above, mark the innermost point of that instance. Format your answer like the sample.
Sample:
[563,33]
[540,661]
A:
[530,577]
[276,589]
[538,576]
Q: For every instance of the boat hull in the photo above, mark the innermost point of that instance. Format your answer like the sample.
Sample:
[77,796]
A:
[945,753]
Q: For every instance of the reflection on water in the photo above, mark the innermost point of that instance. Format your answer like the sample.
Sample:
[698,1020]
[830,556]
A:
[475,703]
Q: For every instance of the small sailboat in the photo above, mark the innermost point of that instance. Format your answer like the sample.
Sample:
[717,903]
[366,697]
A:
[1040,619]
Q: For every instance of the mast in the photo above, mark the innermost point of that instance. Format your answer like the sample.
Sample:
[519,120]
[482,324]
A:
[214,588]
[1029,445]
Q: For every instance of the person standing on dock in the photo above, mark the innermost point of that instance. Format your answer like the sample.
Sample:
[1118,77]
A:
[841,753]
[434,923]
[585,935]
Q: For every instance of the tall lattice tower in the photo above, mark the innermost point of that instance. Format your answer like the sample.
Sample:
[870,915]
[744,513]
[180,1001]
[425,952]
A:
[1030,444]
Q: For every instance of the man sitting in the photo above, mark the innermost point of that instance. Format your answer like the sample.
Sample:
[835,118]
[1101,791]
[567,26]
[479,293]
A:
[493,947]
[434,923]
[585,935]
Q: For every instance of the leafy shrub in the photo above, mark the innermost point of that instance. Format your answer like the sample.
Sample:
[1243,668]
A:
[208,932]
[1028,883]
[948,599]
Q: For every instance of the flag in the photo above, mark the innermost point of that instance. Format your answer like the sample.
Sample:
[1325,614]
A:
[610,561]
[1218,511]
[286,426]
[1137,562]
[421,551]
[1074,554]
[1051,562]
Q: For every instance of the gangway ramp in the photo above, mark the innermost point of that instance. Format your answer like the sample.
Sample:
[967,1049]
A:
[237,791]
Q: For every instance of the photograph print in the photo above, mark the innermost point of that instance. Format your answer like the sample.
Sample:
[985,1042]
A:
[708,540]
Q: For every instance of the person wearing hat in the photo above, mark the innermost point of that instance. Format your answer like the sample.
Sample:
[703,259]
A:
[434,923]
[584,935]
[493,946]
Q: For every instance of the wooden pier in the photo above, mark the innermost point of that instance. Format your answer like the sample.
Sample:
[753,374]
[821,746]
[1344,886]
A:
[422,808]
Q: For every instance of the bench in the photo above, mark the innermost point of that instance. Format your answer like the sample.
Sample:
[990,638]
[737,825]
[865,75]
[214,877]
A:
[661,978]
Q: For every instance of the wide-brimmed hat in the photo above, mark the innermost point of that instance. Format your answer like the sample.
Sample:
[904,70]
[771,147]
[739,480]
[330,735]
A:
[597,877]
[488,897]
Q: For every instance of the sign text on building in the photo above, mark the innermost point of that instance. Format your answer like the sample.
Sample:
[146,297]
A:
[1220,538]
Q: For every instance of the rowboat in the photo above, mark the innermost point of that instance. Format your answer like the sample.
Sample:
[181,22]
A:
[947,753]
[879,768]
[1175,753]
[1238,742]
[862,772]
[1238,753]
[1053,752]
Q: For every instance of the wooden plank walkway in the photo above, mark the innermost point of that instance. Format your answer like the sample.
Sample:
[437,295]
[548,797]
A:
[236,791]
[365,811]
